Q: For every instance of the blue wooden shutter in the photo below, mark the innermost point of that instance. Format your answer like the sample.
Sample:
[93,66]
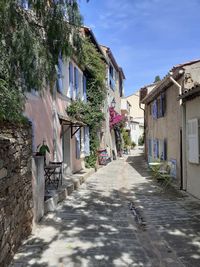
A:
[86,141]
[154,110]
[84,89]
[165,149]
[157,148]
[154,148]
[77,83]
[59,79]
[150,147]
[163,104]
[78,144]
[76,80]
[70,80]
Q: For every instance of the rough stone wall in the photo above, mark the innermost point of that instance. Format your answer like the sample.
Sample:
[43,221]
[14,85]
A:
[15,188]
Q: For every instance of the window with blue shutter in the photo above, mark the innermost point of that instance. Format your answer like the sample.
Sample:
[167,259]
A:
[70,80]
[86,141]
[76,82]
[165,149]
[84,89]
[154,148]
[78,144]
[149,147]
[163,103]
[60,77]
[154,109]
[157,149]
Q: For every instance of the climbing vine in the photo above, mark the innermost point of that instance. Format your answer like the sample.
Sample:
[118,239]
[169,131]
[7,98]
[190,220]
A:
[91,112]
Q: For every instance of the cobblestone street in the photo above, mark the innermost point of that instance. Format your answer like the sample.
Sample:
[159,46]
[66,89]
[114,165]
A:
[96,227]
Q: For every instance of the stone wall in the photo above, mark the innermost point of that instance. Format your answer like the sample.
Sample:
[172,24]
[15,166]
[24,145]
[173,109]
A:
[15,188]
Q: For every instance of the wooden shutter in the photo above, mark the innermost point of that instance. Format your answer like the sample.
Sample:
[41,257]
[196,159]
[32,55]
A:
[150,147]
[87,141]
[193,141]
[70,90]
[78,144]
[154,109]
[163,104]
[60,77]
[157,148]
[76,82]
[165,149]
[84,89]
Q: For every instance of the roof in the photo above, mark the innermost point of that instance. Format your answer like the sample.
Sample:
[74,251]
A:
[166,82]
[122,73]
[110,55]
[190,93]
[185,64]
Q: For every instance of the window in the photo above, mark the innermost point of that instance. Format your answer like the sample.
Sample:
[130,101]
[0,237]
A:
[112,77]
[59,74]
[71,83]
[159,106]
[193,141]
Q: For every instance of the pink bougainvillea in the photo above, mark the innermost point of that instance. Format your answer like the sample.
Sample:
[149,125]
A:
[115,117]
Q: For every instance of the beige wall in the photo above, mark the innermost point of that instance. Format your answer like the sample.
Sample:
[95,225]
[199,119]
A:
[167,127]
[193,170]
[135,110]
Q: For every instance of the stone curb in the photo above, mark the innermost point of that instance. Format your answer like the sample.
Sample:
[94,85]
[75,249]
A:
[74,183]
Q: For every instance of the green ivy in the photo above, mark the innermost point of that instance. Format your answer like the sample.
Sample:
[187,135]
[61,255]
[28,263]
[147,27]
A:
[11,103]
[91,111]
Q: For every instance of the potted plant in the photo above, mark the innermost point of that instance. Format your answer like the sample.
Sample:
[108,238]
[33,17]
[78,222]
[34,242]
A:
[42,150]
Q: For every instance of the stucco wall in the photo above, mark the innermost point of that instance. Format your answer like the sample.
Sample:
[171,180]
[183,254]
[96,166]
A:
[193,170]
[135,110]
[40,110]
[167,127]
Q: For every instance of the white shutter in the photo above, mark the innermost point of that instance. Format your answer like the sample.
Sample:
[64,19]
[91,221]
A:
[87,141]
[78,144]
[193,141]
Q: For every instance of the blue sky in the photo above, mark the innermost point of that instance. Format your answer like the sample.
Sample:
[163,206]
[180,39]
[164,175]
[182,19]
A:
[147,37]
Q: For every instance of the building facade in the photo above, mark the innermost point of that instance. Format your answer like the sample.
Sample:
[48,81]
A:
[163,117]
[67,140]
[111,138]
[190,98]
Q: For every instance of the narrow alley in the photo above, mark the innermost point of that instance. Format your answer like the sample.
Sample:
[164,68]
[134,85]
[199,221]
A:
[119,217]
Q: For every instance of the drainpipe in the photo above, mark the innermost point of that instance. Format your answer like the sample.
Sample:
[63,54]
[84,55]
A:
[183,124]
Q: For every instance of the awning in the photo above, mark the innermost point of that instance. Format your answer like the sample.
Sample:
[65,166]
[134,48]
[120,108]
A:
[65,120]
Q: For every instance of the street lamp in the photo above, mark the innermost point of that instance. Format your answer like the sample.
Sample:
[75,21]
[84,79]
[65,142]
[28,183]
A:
[113,103]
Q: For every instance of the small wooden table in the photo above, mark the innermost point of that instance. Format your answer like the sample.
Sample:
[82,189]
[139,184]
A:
[53,174]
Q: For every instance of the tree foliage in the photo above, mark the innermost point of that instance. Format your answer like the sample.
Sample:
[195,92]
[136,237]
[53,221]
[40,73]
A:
[31,41]
[157,79]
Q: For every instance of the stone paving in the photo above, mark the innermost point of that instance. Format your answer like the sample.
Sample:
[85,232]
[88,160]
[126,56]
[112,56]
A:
[95,227]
